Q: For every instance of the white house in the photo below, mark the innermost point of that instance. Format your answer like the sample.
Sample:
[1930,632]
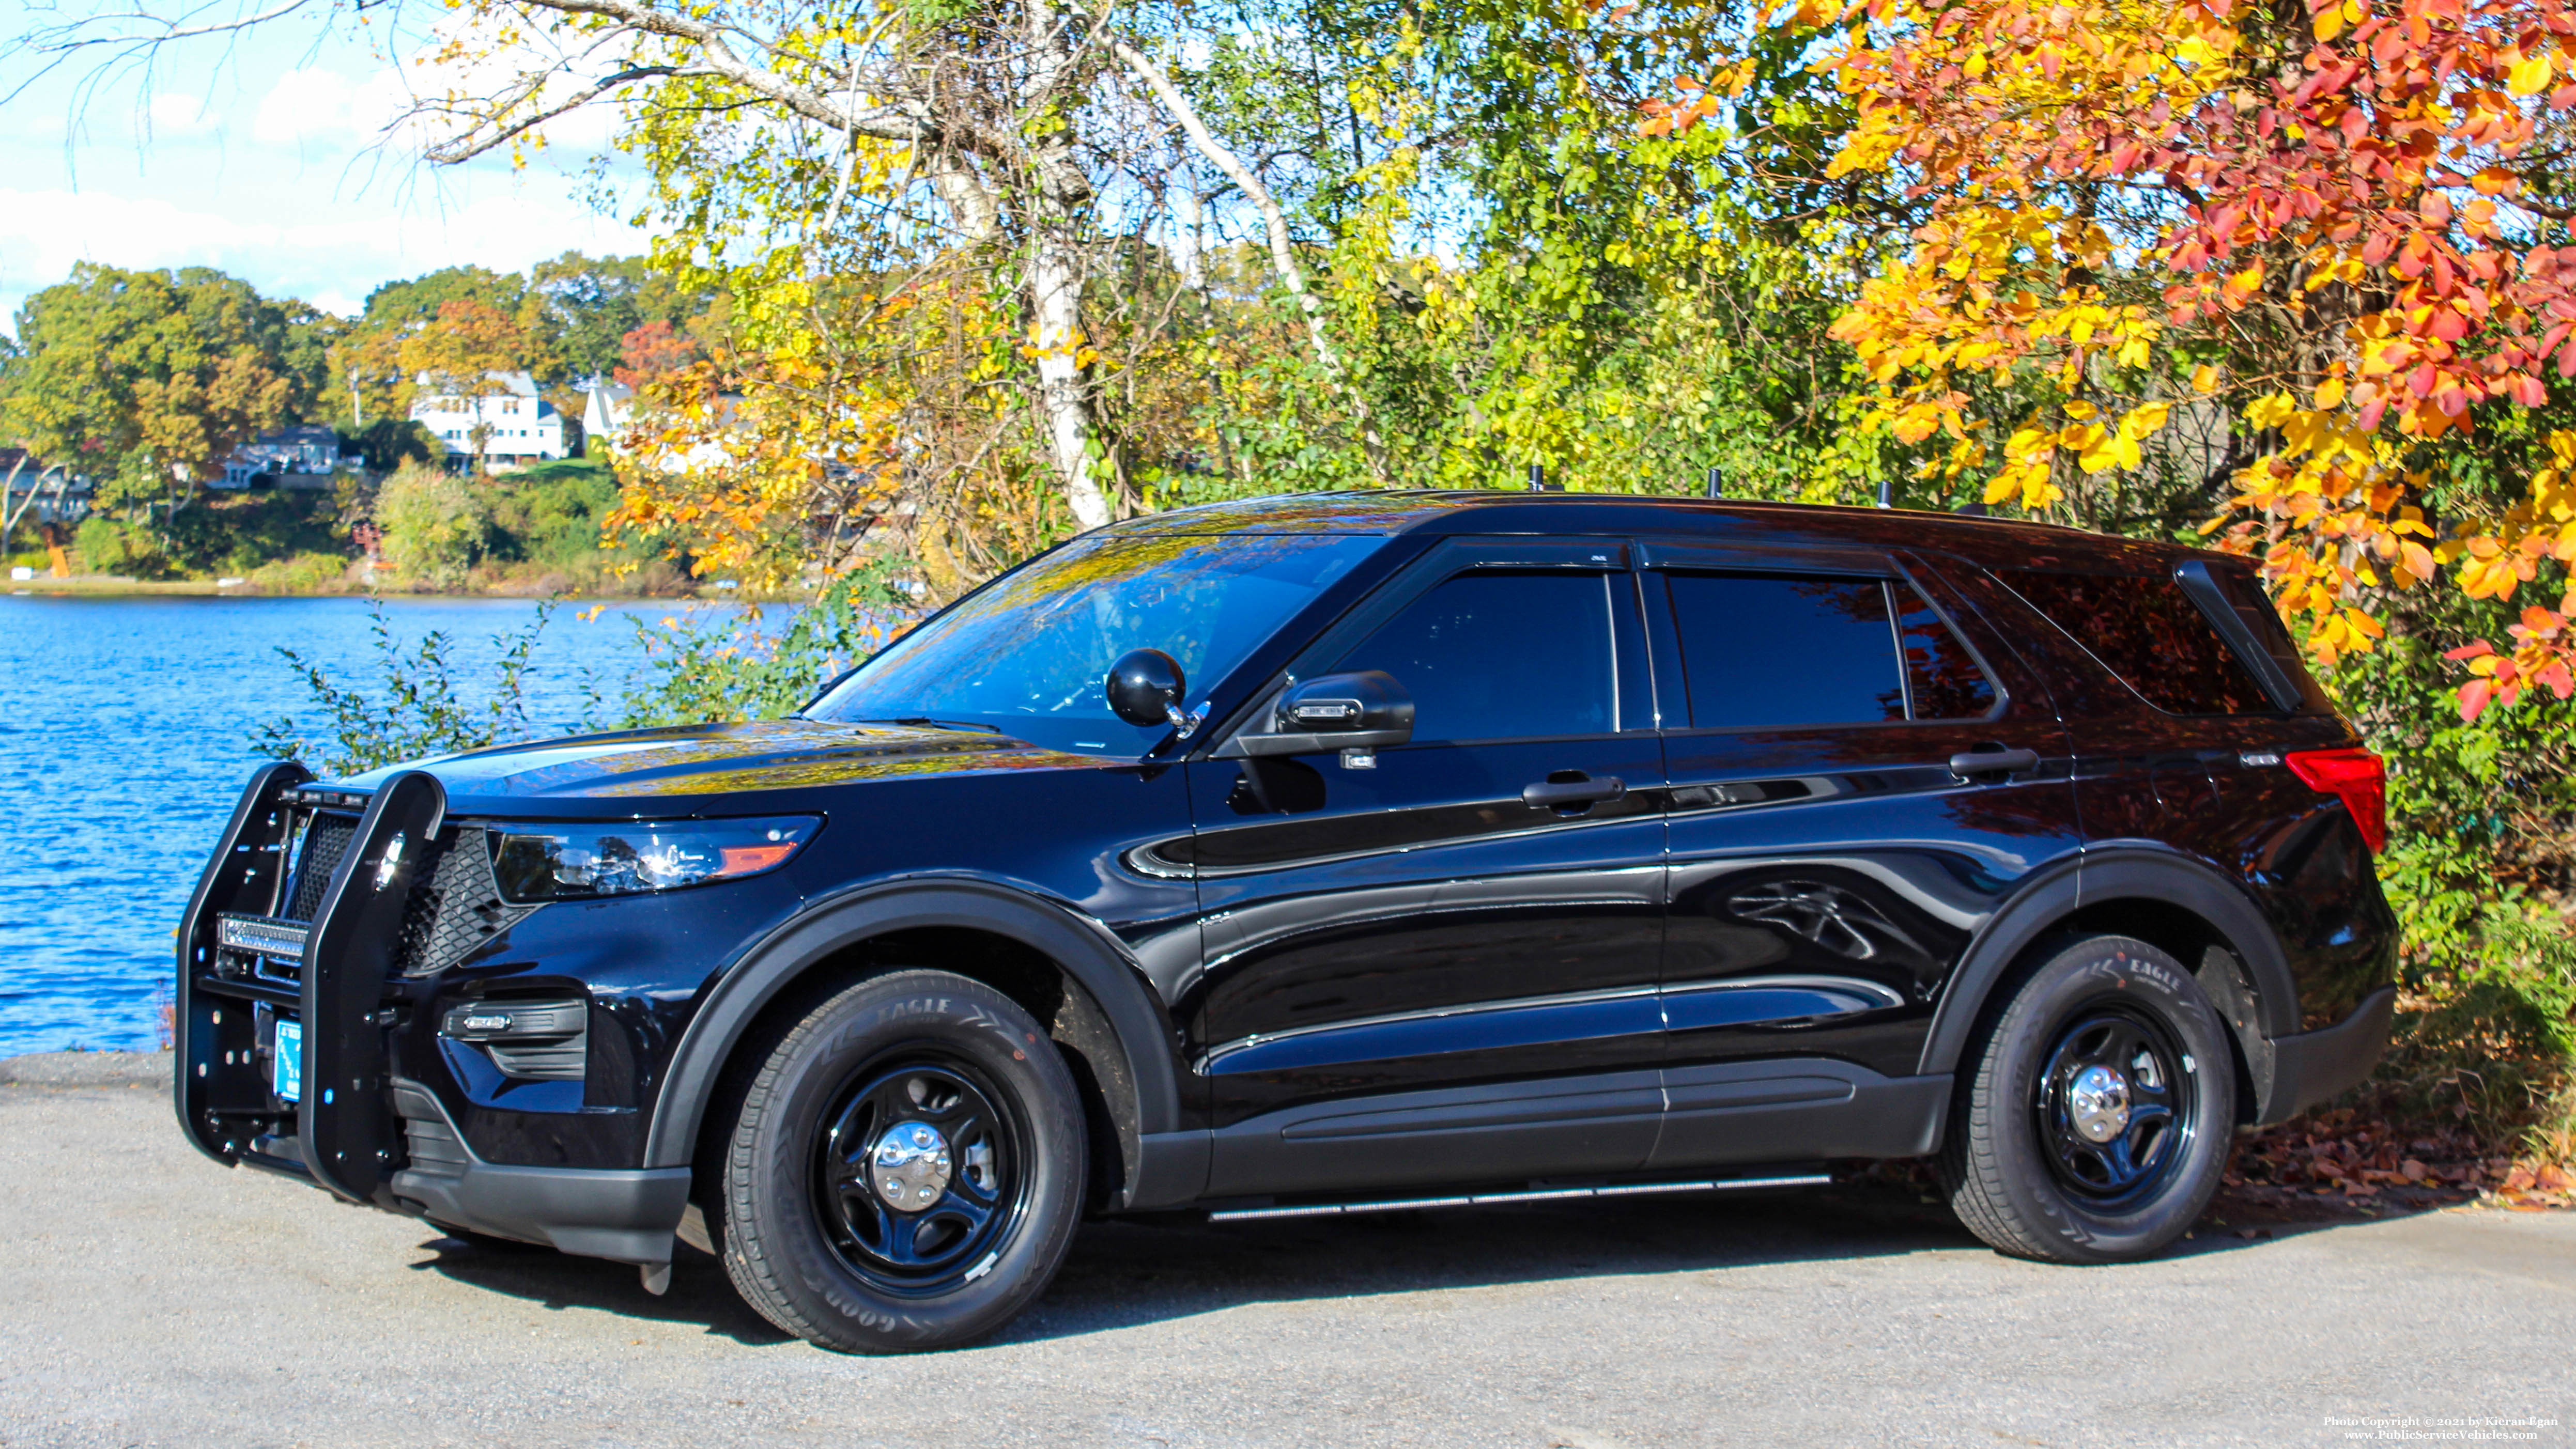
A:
[518,427]
[290,457]
[605,409]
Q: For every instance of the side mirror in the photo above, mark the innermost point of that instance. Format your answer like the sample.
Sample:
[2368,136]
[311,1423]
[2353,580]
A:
[1368,710]
[1145,688]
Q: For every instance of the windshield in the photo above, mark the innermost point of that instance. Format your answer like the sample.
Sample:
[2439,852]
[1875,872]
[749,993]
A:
[1028,655]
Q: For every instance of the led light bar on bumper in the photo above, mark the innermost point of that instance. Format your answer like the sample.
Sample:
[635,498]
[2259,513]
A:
[550,862]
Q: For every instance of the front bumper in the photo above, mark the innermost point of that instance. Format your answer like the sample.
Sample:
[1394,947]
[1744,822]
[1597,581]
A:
[627,1215]
[364,1128]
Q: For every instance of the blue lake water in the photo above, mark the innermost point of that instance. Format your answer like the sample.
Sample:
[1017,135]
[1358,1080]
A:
[126,729]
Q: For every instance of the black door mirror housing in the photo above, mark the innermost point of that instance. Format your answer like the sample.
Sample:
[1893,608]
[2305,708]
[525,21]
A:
[1145,688]
[1363,711]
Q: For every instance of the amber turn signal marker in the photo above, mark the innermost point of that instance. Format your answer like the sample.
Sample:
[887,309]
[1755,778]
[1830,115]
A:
[748,859]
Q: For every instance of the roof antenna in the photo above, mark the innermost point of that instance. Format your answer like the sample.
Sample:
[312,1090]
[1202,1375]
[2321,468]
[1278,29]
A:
[1716,482]
[1887,491]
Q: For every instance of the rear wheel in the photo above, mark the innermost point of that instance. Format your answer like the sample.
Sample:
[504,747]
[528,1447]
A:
[2095,1120]
[907,1169]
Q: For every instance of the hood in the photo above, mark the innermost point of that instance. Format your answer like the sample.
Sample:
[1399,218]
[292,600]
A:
[721,759]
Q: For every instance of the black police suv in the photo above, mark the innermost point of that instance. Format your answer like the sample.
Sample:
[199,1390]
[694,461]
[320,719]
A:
[1333,853]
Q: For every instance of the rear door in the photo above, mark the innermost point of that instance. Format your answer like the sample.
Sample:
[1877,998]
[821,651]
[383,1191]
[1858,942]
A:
[1405,927]
[1860,776]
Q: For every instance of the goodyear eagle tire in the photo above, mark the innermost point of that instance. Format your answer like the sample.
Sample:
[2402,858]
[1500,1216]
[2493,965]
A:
[2096,1116]
[907,1169]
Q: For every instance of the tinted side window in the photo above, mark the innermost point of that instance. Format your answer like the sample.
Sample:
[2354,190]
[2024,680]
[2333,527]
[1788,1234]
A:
[1942,674]
[1768,651]
[2147,631]
[1503,656]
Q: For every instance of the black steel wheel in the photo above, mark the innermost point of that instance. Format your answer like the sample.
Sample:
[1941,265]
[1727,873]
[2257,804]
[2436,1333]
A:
[2116,1105]
[2091,1122]
[921,1176]
[907,1168]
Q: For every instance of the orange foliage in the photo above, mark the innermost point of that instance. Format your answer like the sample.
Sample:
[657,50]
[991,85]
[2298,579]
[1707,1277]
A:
[652,351]
[2131,209]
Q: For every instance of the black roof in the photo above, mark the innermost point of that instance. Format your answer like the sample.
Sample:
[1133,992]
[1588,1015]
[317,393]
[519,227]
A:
[1994,541]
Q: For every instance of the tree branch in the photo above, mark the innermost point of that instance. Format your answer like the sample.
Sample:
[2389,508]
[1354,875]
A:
[1283,252]
[884,123]
[466,148]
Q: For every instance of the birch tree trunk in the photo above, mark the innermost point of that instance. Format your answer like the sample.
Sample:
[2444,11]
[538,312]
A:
[1061,188]
[1064,404]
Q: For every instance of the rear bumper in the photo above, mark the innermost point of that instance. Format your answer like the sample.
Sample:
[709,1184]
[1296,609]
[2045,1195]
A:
[2313,1066]
[628,1215]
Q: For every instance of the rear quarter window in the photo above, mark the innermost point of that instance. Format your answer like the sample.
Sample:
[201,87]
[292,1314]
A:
[2146,630]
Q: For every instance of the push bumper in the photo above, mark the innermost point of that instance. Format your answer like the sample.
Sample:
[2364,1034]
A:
[356,1129]
[2313,1066]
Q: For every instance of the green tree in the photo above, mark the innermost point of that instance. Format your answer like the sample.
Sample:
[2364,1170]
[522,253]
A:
[147,380]
[368,352]
[463,354]
[589,303]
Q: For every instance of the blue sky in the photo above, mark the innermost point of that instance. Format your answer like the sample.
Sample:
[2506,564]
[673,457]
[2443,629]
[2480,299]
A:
[264,158]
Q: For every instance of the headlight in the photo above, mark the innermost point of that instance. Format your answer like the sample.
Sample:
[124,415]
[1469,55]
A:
[570,862]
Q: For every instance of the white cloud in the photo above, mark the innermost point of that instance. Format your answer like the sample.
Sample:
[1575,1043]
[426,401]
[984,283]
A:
[325,112]
[311,107]
[284,173]
[174,115]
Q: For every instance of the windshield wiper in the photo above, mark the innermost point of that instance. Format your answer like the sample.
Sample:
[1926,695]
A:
[925,722]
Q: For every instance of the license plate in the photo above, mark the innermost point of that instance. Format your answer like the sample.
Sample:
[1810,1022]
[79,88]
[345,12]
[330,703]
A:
[290,1060]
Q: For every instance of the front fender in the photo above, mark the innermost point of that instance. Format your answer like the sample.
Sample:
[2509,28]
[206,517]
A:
[1085,949]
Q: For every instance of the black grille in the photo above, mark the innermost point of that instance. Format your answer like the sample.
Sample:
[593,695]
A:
[325,841]
[458,908]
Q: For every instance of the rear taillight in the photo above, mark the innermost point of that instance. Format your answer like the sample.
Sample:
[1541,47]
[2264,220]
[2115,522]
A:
[2358,778]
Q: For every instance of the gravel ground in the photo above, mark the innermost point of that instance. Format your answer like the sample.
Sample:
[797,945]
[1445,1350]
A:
[155,1298]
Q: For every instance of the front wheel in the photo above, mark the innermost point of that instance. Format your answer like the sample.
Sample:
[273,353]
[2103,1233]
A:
[2095,1124]
[907,1169]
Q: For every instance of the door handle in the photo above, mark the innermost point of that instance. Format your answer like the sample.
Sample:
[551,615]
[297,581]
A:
[1969,763]
[1555,794]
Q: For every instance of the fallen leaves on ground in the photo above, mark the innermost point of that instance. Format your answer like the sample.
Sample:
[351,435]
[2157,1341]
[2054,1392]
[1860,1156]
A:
[2346,1158]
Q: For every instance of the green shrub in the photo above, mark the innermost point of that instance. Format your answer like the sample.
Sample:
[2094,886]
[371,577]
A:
[699,671]
[242,532]
[420,711]
[2482,844]
[109,546]
[551,515]
[437,525]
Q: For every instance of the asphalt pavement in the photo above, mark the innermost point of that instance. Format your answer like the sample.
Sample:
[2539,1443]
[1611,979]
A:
[150,1297]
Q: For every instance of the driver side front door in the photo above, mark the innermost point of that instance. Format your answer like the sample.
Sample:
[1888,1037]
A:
[1423,963]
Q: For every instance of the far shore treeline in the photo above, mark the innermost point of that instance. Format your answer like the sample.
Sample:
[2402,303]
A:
[144,390]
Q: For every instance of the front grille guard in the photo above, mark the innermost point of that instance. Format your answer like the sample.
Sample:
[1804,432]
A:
[342,1133]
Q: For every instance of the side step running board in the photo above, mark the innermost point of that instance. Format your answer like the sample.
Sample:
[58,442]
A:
[1545,1194]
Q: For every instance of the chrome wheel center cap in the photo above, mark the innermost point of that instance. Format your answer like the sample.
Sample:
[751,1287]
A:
[909,1166]
[2098,1100]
